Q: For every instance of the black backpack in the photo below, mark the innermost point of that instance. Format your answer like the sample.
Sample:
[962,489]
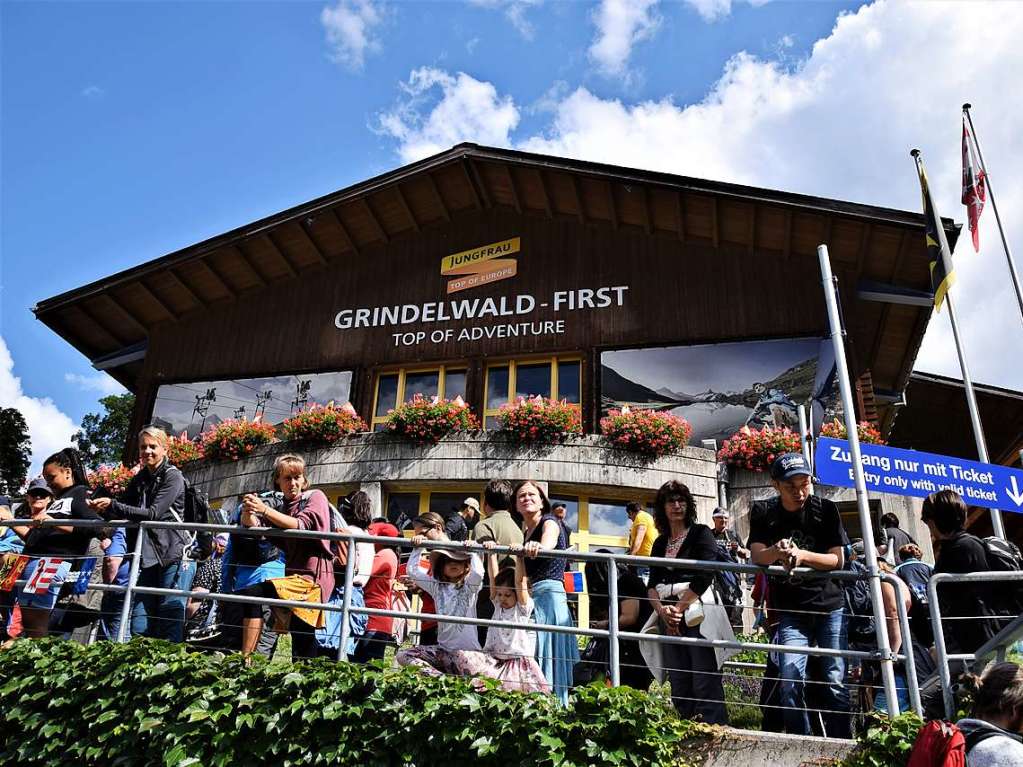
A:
[1004,557]
[916,575]
[860,608]
[198,511]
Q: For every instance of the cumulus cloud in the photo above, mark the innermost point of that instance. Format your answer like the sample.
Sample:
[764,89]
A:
[840,123]
[457,108]
[49,428]
[92,92]
[515,11]
[620,25]
[713,10]
[350,30]
[100,382]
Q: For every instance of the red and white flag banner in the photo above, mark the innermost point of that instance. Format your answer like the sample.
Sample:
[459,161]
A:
[43,575]
[974,184]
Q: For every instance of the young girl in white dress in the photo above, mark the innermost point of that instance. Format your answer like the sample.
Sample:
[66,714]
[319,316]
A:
[513,649]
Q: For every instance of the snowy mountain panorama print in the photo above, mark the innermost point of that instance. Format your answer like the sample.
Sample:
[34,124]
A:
[718,388]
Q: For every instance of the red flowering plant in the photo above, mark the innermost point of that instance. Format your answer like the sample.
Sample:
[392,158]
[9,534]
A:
[323,425]
[112,478]
[647,432]
[864,429]
[540,421]
[182,450]
[756,450]
[425,421]
[234,439]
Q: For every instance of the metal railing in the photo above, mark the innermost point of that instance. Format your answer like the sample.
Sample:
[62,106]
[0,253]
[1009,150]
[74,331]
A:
[611,561]
[942,656]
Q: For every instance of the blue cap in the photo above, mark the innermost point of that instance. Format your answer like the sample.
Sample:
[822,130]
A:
[788,466]
[5,501]
[38,484]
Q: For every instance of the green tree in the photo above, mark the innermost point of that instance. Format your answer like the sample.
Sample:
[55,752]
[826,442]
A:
[103,435]
[15,451]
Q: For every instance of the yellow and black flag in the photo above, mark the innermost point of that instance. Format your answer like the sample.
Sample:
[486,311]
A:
[943,273]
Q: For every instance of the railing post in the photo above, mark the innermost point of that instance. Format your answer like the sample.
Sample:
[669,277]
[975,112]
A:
[940,652]
[912,683]
[133,579]
[346,603]
[612,621]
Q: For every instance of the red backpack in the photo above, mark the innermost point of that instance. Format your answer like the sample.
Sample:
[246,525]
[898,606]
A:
[938,744]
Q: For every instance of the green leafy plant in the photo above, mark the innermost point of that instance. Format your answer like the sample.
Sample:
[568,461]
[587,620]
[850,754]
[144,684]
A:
[885,742]
[154,703]
[647,432]
[539,421]
[427,421]
[323,425]
[231,440]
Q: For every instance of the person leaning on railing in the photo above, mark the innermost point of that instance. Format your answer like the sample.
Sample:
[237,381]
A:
[155,494]
[65,475]
[696,685]
[308,563]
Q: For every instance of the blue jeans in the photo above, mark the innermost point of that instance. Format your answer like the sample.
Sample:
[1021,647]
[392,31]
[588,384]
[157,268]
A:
[162,617]
[831,694]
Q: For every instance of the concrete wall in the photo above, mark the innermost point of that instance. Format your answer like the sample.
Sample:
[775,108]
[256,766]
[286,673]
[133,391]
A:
[374,460]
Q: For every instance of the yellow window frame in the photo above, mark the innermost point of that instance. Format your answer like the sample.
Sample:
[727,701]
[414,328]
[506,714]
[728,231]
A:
[441,370]
[512,365]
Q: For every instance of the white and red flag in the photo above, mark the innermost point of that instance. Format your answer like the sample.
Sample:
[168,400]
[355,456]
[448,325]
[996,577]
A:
[43,575]
[974,184]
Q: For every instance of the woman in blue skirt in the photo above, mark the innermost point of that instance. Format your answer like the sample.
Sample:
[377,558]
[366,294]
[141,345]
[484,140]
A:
[557,653]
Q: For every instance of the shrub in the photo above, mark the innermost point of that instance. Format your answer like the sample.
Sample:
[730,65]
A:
[231,440]
[154,703]
[113,479]
[864,429]
[427,421]
[181,450]
[885,742]
[540,421]
[646,431]
[756,450]
[323,425]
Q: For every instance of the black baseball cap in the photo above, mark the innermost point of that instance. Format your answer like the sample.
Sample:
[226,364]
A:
[788,466]
[38,484]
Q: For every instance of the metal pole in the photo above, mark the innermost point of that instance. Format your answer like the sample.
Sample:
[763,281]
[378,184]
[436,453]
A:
[994,207]
[346,604]
[940,651]
[133,579]
[862,504]
[912,682]
[803,441]
[971,401]
[612,622]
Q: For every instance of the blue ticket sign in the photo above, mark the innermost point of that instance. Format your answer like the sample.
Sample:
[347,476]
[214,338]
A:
[910,472]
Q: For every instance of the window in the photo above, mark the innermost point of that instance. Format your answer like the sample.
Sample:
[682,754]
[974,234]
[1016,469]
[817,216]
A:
[507,381]
[402,385]
[406,502]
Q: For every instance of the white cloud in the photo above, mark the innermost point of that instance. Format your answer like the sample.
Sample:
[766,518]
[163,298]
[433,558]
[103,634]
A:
[467,110]
[92,91]
[620,25]
[713,10]
[100,382]
[515,12]
[838,124]
[350,25]
[49,428]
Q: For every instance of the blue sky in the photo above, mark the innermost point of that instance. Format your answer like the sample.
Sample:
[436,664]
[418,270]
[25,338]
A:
[132,129]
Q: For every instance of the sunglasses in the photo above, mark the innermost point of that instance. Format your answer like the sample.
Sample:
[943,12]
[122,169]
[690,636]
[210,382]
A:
[38,494]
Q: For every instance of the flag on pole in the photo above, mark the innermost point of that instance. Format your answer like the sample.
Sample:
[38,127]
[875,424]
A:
[974,184]
[43,575]
[84,576]
[11,567]
[942,271]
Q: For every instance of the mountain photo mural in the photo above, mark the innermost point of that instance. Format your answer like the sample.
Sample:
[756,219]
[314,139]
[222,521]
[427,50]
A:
[718,388]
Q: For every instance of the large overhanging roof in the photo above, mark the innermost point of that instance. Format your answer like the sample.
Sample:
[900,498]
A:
[878,254]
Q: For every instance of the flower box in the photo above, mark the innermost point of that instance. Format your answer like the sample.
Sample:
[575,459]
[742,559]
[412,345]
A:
[426,421]
[323,425]
[540,421]
[648,432]
[113,479]
[864,429]
[182,450]
[755,449]
[234,439]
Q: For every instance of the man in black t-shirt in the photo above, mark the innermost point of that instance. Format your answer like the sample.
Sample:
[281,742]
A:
[798,529]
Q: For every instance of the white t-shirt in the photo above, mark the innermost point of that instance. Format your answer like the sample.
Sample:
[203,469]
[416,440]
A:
[452,600]
[507,643]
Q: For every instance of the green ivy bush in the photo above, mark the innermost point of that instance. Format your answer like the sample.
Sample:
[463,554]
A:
[885,742]
[154,703]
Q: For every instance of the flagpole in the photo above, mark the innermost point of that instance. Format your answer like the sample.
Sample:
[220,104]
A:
[971,397]
[994,207]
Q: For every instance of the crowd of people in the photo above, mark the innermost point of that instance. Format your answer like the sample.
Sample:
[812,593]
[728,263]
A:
[801,694]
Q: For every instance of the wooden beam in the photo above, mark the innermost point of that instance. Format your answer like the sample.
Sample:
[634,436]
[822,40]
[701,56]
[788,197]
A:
[381,232]
[787,241]
[715,233]
[279,252]
[192,295]
[344,231]
[752,233]
[474,178]
[110,331]
[150,295]
[432,183]
[514,189]
[408,209]
[680,215]
[829,226]
[578,195]
[124,310]
[865,234]
[545,192]
[317,251]
[472,184]
[875,348]
[611,207]
[648,219]
[250,264]
[217,277]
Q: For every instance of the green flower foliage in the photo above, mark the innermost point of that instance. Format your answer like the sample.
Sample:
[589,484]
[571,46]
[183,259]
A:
[885,742]
[154,703]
